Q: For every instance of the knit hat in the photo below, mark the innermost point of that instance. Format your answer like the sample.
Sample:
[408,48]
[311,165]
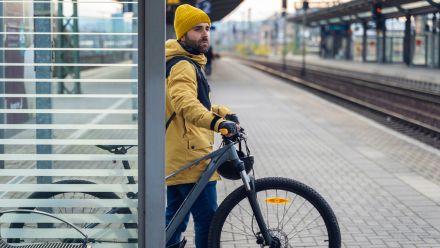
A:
[187,17]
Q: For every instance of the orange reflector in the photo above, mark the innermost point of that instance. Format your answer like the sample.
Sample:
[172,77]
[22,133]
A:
[277,200]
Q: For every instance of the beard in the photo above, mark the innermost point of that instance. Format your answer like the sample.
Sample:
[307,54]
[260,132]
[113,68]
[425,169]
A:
[197,44]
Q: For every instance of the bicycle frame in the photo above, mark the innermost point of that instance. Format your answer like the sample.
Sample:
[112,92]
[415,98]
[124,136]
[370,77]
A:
[224,154]
[218,157]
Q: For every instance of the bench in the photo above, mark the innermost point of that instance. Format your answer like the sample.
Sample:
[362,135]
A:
[3,244]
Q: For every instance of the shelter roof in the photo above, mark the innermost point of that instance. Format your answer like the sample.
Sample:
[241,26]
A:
[360,10]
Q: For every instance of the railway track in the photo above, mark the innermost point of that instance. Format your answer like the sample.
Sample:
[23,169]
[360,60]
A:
[414,112]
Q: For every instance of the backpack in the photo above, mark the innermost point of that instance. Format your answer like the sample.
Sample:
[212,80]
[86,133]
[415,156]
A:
[203,88]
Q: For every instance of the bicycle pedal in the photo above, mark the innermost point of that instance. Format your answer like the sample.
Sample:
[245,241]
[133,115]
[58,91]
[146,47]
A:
[181,244]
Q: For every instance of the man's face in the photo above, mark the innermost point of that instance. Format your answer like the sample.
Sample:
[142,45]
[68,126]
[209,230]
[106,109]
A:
[197,38]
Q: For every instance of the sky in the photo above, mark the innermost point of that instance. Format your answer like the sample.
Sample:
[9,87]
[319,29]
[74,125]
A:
[260,9]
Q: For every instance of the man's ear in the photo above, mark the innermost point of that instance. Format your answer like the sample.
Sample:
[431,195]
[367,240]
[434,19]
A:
[182,39]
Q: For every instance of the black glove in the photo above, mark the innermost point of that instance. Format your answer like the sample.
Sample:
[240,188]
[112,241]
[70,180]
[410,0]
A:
[233,118]
[229,125]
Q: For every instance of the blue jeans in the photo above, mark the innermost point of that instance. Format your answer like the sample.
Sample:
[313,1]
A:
[202,211]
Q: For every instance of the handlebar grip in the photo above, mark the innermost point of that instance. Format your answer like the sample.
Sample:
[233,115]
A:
[224,131]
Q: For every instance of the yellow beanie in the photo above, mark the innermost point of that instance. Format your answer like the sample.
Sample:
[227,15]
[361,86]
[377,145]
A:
[187,17]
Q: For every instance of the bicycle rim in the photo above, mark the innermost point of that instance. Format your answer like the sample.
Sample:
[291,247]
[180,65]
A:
[294,214]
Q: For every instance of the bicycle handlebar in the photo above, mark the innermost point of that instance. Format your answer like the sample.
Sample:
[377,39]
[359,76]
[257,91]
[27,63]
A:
[224,131]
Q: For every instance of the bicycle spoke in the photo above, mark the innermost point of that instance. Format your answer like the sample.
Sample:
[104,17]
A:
[239,233]
[282,221]
[234,240]
[302,220]
[276,196]
[304,228]
[237,227]
[295,213]
[313,235]
[284,211]
[267,213]
[241,221]
[245,210]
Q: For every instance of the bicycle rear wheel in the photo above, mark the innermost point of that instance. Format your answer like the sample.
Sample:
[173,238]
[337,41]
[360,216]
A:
[76,210]
[294,213]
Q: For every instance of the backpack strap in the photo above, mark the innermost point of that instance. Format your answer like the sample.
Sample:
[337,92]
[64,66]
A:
[169,120]
[169,64]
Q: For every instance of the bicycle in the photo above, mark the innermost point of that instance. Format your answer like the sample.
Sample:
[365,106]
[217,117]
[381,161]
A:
[270,212]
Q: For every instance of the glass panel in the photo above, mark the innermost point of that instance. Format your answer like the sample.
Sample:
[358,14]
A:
[371,48]
[358,48]
[68,82]
[429,51]
[388,49]
[380,49]
[436,53]
[419,50]
[341,52]
[397,49]
[329,46]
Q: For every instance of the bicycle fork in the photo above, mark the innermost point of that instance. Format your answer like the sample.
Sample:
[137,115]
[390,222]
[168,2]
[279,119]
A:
[252,197]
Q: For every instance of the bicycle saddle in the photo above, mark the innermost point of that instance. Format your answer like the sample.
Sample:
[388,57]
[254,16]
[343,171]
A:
[113,147]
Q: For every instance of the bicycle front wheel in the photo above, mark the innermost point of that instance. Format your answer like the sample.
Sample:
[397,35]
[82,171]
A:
[294,213]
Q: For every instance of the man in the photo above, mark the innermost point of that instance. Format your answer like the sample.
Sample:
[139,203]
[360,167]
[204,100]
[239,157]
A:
[209,57]
[191,121]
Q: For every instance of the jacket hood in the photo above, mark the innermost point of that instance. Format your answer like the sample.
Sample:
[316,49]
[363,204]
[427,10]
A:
[173,49]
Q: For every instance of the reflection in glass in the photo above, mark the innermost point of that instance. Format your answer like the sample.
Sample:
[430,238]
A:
[419,50]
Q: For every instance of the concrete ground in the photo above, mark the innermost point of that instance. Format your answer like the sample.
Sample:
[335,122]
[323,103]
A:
[383,187]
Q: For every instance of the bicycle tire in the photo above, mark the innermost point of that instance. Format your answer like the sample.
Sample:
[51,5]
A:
[99,195]
[232,203]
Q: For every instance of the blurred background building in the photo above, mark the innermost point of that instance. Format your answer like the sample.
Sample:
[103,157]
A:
[402,32]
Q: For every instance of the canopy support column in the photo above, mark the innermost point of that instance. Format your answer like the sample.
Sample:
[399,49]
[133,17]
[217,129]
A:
[384,42]
[348,48]
[407,41]
[364,42]
[151,121]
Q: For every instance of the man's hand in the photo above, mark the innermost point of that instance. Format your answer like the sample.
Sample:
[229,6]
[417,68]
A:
[233,118]
[230,126]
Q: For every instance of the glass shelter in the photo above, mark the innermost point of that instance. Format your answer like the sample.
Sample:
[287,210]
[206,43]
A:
[68,93]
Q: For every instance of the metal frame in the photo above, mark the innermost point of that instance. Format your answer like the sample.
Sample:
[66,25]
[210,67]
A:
[64,41]
[151,131]
[2,86]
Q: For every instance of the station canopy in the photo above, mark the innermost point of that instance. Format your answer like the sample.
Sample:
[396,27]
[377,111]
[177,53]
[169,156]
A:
[360,11]
[219,9]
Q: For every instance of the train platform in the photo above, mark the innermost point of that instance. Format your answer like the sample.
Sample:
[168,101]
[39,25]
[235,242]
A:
[384,187]
[415,77]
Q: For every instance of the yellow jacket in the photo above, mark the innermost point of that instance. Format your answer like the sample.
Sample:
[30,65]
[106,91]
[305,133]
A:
[189,135]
